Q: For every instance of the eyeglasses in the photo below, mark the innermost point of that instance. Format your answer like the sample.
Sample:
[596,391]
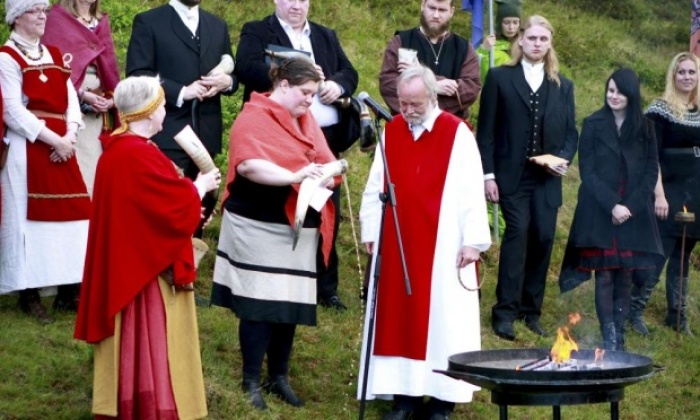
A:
[37,12]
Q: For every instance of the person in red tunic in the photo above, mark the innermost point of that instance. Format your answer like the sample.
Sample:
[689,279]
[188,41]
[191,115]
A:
[136,303]
[435,167]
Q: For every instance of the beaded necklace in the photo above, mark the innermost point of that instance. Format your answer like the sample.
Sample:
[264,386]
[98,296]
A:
[26,53]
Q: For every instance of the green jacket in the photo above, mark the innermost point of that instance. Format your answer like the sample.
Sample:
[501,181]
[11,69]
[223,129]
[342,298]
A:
[501,56]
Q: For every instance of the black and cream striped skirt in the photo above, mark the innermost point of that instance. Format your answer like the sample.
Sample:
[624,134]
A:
[258,275]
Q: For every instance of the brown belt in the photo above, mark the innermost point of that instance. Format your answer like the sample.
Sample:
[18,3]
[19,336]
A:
[43,114]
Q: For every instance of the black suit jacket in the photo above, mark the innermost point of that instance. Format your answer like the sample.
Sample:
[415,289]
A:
[504,126]
[253,71]
[162,45]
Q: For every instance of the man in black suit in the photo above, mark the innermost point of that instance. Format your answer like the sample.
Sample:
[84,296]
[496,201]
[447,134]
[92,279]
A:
[289,27]
[527,109]
[182,43]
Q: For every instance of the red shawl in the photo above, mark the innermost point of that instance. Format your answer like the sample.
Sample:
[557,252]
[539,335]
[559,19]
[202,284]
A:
[70,36]
[265,130]
[143,218]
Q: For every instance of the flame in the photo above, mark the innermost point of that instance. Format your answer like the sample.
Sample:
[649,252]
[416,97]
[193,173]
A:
[599,353]
[685,209]
[574,318]
[561,351]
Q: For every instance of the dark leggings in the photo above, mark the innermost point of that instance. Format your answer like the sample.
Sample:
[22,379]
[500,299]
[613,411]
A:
[612,295]
[259,338]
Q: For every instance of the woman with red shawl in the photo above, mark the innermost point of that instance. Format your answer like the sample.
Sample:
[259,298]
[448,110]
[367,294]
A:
[81,29]
[136,303]
[269,284]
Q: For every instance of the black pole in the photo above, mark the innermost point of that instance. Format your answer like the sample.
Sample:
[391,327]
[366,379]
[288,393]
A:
[386,197]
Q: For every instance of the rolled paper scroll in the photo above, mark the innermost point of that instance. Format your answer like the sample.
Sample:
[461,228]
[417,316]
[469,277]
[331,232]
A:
[194,148]
[199,247]
[308,188]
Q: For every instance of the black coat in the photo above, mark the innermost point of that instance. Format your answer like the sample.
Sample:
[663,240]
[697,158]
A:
[253,70]
[504,126]
[162,45]
[601,153]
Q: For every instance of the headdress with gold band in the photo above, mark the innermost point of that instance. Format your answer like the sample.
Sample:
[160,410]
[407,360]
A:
[139,114]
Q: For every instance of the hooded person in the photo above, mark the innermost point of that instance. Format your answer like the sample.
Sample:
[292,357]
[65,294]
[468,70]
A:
[507,28]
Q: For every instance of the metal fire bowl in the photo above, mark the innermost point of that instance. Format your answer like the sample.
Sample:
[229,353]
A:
[495,370]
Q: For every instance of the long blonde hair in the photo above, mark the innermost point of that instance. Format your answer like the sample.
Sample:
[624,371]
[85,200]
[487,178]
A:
[551,63]
[72,7]
[677,104]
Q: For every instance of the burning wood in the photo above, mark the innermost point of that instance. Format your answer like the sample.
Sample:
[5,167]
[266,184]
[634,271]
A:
[534,364]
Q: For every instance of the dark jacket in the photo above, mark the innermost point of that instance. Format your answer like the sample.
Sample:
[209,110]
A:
[162,45]
[601,153]
[253,70]
[504,126]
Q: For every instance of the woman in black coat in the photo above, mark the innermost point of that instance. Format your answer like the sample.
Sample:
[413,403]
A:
[614,231]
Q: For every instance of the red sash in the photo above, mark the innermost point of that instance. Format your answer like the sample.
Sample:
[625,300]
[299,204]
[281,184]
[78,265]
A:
[418,170]
[56,191]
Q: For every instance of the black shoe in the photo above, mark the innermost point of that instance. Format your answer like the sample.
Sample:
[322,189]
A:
[439,416]
[279,386]
[638,325]
[534,326]
[333,302]
[30,303]
[398,414]
[252,388]
[504,330]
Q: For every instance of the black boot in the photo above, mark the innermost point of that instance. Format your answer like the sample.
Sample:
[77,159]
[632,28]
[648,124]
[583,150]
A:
[620,336]
[608,332]
[676,303]
[67,298]
[251,386]
[30,303]
[640,298]
[279,386]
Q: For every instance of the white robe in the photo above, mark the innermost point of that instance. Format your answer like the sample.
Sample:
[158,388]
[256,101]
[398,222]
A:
[454,325]
[32,254]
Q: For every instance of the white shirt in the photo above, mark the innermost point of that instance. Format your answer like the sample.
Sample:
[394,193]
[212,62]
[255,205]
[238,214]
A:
[534,74]
[189,15]
[428,124]
[326,115]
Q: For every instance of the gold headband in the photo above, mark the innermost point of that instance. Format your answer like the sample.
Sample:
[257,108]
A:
[139,114]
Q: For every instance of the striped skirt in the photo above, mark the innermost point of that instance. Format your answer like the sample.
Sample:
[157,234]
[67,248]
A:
[259,277]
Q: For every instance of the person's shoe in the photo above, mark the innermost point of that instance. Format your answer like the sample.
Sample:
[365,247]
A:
[638,326]
[279,386]
[439,416]
[253,389]
[66,305]
[333,302]
[504,330]
[398,414]
[534,326]
[37,310]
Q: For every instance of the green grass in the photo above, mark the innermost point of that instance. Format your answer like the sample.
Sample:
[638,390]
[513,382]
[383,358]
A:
[45,374]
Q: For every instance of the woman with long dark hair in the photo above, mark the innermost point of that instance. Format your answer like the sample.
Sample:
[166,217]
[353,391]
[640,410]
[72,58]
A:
[614,231]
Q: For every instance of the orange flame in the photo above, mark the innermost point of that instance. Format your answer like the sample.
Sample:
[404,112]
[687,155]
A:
[563,346]
[599,353]
[685,209]
[574,318]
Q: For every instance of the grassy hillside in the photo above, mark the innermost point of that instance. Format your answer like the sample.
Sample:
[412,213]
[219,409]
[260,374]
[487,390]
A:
[47,375]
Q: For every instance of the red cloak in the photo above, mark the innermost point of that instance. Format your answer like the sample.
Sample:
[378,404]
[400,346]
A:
[143,219]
